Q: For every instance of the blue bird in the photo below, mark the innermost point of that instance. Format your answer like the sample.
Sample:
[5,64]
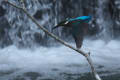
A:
[78,27]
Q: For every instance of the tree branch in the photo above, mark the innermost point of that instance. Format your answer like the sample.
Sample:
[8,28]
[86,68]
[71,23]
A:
[86,55]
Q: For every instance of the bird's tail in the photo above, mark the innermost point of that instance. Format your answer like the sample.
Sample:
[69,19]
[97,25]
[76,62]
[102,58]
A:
[55,27]
[62,23]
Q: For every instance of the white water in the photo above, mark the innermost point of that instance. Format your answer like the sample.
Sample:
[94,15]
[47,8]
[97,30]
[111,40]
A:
[100,52]
[62,58]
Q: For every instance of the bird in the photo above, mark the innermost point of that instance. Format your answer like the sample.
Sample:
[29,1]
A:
[79,27]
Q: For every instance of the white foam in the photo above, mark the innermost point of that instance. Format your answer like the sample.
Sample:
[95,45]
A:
[101,53]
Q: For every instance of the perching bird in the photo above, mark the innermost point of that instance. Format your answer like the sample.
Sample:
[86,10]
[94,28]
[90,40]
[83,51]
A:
[79,27]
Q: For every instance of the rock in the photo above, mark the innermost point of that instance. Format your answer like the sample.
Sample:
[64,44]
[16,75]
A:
[32,75]
[38,15]
[2,11]
[4,29]
[38,37]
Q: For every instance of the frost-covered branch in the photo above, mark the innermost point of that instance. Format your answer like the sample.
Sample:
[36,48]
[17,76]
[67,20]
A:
[86,55]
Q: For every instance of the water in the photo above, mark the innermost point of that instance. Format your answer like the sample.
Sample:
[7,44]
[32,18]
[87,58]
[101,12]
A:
[28,59]
[104,20]
[23,32]
[59,63]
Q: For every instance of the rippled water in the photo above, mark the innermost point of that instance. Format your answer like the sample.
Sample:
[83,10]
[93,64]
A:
[60,63]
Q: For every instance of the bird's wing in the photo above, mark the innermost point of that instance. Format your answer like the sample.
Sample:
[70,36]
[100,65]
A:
[78,33]
[78,40]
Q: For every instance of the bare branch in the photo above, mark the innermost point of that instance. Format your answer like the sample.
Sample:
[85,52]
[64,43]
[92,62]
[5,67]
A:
[86,55]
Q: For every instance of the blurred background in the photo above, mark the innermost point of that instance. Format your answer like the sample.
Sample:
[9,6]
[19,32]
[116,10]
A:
[27,53]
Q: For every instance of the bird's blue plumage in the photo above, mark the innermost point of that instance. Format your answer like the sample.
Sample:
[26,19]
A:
[83,18]
[78,27]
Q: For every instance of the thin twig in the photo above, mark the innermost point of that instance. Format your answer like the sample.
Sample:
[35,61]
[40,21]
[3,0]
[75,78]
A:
[86,55]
